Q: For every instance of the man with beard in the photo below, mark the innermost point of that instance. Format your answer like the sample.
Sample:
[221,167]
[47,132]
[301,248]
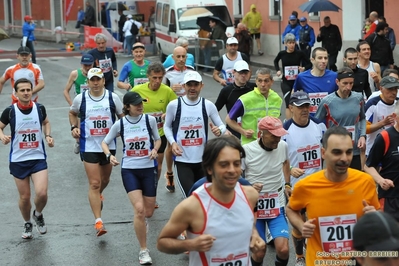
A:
[346,108]
[334,198]
[364,52]
[361,83]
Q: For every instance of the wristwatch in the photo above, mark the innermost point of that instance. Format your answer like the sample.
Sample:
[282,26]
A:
[108,156]
[73,127]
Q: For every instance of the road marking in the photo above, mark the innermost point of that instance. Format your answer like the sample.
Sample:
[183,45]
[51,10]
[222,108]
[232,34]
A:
[57,108]
[6,60]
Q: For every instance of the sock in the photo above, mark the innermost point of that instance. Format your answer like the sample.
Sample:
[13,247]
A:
[36,213]
[298,244]
[28,221]
[280,261]
[98,220]
[255,263]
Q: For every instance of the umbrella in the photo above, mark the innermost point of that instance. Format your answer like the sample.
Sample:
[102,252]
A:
[319,5]
[3,35]
[203,22]
[194,13]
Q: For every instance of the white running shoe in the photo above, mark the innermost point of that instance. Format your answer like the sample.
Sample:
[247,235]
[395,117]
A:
[76,148]
[40,224]
[27,233]
[300,262]
[144,257]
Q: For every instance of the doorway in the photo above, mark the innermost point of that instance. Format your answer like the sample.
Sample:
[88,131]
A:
[375,5]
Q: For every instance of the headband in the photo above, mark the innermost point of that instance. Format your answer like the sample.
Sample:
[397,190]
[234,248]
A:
[138,46]
[345,75]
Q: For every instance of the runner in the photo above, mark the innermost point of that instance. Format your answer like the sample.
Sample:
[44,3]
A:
[304,153]
[334,198]
[293,62]
[105,59]
[135,71]
[318,82]
[363,48]
[24,69]
[78,78]
[213,237]
[97,108]
[141,142]
[266,167]
[361,83]
[28,121]
[255,105]
[346,108]
[158,96]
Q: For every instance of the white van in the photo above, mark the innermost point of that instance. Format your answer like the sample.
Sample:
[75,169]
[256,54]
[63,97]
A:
[178,18]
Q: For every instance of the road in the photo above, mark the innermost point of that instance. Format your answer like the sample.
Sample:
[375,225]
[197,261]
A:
[71,237]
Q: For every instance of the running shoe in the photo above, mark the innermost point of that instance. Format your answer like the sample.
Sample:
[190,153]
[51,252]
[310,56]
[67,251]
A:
[99,226]
[76,148]
[27,233]
[156,205]
[170,185]
[40,224]
[300,262]
[181,237]
[102,201]
[144,257]
[260,52]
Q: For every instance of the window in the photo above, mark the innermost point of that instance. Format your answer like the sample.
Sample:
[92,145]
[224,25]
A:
[165,15]
[189,20]
[172,17]
[275,9]
[159,13]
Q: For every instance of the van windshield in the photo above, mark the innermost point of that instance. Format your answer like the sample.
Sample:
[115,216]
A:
[188,16]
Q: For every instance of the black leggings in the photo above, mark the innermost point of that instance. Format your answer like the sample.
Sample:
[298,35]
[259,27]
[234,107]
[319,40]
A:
[188,174]
[286,88]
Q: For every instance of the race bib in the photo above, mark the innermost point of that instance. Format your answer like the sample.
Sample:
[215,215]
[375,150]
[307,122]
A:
[138,81]
[316,98]
[137,147]
[105,65]
[158,118]
[291,72]
[192,136]
[230,75]
[309,157]
[28,139]
[238,259]
[99,125]
[268,205]
[352,132]
[336,232]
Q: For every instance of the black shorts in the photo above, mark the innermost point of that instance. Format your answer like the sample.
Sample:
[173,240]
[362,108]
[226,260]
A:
[356,163]
[256,35]
[145,180]
[21,170]
[95,157]
[286,88]
[390,206]
[164,141]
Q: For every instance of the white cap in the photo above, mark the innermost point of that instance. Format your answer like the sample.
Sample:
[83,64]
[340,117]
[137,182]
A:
[241,65]
[129,16]
[192,76]
[95,72]
[232,40]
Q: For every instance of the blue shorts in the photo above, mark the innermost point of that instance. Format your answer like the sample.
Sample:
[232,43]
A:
[278,226]
[22,170]
[145,180]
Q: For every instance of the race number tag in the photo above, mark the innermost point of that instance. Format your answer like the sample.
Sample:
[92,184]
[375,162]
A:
[352,132]
[336,232]
[29,139]
[230,75]
[291,72]
[316,98]
[238,259]
[191,135]
[309,156]
[138,81]
[100,125]
[105,65]
[268,205]
[158,118]
[136,147]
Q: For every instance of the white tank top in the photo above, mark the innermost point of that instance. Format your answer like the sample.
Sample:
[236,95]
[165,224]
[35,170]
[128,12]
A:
[99,116]
[137,144]
[27,143]
[370,68]
[228,67]
[230,225]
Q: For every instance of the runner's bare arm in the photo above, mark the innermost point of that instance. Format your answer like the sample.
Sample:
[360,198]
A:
[4,139]
[2,81]
[39,86]
[68,86]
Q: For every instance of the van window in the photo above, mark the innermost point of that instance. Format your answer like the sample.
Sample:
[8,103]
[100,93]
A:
[159,13]
[172,17]
[165,15]
[188,16]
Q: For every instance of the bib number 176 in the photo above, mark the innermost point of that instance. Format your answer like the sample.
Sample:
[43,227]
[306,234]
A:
[230,263]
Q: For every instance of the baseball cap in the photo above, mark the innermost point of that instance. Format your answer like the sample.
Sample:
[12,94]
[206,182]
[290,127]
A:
[87,59]
[273,125]
[133,98]
[192,76]
[23,50]
[376,231]
[292,17]
[95,72]
[299,98]
[389,82]
[241,65]
[232,40]
[129,16]
[302,19]
[27,17]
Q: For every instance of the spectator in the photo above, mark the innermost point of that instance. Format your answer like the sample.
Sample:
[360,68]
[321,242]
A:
[130,38]
[121,23]
[80,19]
[151,24]
[90,15]
[330,38]
[391,33]
[374,21]
[217,33]
[367,25]
[205,46]
[253,22]
[244,40]
[28,36]
[103,16]
[293,28]
[306,36]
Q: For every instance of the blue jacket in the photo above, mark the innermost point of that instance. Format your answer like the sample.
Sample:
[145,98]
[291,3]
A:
[306,35]
[27,31]
[294,30]
[391,37]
